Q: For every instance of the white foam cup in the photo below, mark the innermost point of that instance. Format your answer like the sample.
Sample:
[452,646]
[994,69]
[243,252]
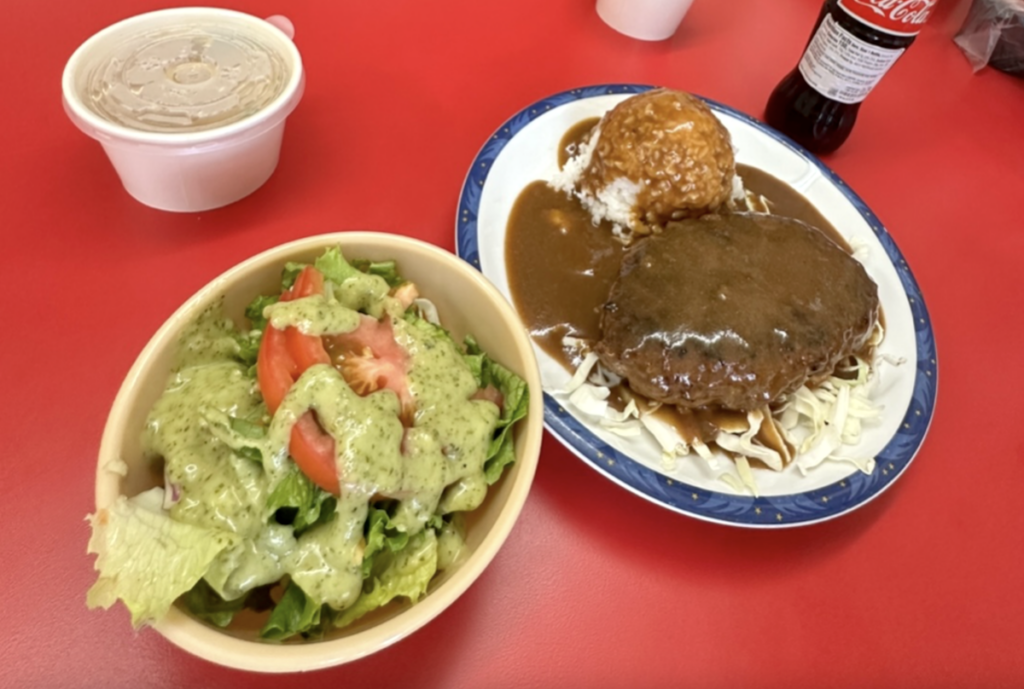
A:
[648,20]
[191,170]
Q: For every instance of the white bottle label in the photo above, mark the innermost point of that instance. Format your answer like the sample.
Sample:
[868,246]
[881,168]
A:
[841,66]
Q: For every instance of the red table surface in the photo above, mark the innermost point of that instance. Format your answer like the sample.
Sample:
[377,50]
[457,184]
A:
[595,587]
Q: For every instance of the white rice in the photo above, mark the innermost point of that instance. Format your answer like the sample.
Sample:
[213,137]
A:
[615,202]
[567,178]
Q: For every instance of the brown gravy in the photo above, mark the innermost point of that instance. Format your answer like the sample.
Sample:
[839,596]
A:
[573,137]
[561,267]
[734,311]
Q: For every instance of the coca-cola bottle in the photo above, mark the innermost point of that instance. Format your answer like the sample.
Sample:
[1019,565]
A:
[853,45]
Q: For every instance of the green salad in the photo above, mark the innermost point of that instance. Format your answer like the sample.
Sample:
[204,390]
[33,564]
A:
[317,462]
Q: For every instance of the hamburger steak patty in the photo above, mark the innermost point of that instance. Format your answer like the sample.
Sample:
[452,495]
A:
[734,311]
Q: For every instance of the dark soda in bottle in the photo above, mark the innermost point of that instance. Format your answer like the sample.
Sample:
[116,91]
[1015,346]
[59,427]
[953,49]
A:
[853,45]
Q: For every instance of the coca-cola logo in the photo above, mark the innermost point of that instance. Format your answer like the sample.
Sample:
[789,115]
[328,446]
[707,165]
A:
[893,16]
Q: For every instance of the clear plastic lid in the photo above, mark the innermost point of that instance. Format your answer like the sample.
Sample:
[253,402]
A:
[189,77]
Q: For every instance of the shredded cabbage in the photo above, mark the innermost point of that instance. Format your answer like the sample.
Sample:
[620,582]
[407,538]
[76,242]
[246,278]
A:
[817,423]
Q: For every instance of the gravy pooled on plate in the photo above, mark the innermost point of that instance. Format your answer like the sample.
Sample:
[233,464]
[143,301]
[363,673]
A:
[563,264]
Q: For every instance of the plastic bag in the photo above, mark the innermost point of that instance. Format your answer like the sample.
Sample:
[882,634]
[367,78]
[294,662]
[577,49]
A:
[993,35]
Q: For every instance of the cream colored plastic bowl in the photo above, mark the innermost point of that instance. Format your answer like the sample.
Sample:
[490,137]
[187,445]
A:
[467,303]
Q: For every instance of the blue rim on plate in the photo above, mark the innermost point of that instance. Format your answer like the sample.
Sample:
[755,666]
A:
[765,511]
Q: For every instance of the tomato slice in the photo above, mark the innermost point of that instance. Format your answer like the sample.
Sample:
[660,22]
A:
[284,356]
[275,368]
[305,350]
[491,394]
[308,282]
[370,359]
[313,452]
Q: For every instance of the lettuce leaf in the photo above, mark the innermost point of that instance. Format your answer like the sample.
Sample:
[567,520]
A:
[249,349]
[250,431]
[385,269]
[353,288]
[475,361]
[290,273]
[381,534]
[249,341]
[414,319]
[206,604]
[407,575]
[516,396]
[145,558]
[295,613]
[254,311]
[244,436]
[514,390]
[334,267]
[298,501]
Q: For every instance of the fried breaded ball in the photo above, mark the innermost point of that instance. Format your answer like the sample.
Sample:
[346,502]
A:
[662,155]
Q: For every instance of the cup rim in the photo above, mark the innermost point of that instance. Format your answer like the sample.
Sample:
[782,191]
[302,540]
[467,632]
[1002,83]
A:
[100,128]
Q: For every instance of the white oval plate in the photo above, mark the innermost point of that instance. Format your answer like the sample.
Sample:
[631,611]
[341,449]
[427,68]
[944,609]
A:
[524,149]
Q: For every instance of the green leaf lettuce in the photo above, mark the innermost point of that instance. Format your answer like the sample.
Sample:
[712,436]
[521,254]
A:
[145,558]
[407,575]
[516,402]
[304,502]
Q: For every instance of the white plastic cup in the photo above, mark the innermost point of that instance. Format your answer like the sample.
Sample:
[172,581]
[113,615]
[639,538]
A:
[648,20]
[199,170]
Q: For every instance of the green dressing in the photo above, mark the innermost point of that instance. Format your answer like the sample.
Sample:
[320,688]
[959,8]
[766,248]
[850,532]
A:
[252,562]
[366,430]
[451,544]
[313,315]
[218,488]
[368,293]
[327,564]
[452,432]
[437,466]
